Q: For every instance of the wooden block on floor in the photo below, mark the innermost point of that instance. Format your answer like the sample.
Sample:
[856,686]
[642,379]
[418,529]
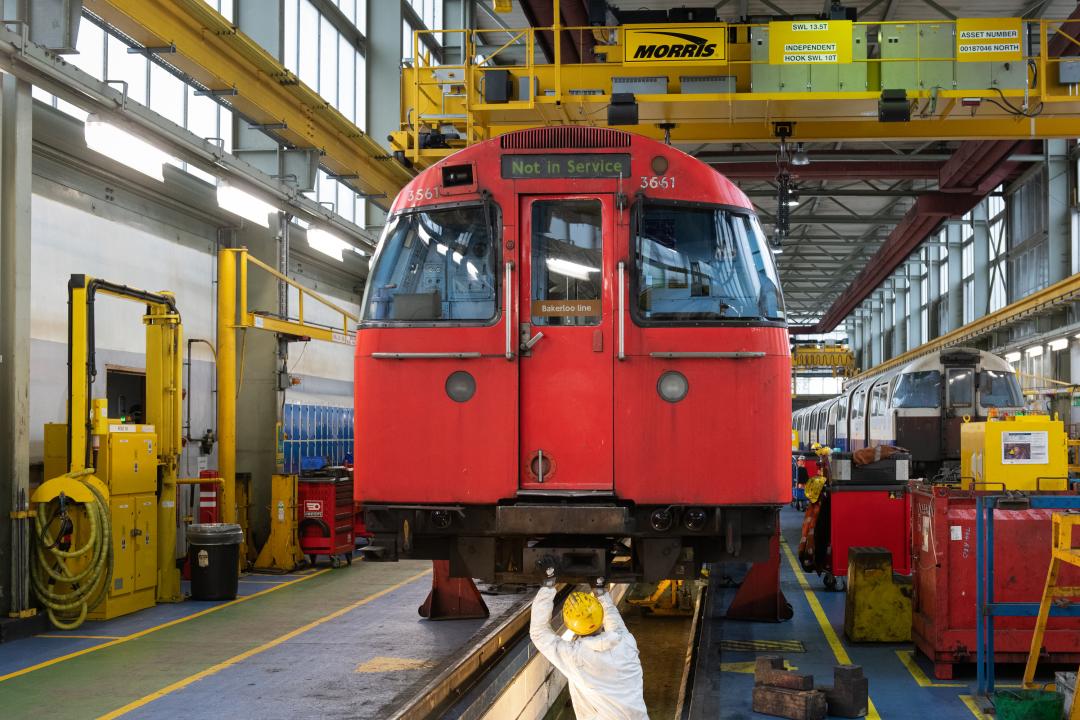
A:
[793,704]
[787,679]
[849,695]
[766,664]
[769,670]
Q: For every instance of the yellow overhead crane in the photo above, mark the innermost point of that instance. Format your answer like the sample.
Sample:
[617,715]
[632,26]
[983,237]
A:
[837,358]
[953,87]
[206,46]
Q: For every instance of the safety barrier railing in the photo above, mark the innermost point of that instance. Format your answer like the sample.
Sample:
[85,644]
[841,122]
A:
[341,331]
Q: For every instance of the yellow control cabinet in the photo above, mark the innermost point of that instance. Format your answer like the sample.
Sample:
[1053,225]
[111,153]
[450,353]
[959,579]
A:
[1022,452]
[127,458]
[127,462]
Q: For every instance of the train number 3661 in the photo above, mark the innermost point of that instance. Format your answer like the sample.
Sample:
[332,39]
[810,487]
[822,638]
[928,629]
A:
[654,182]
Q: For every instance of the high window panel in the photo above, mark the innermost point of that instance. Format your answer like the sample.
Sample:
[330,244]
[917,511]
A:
[134,69]
[308,62]
[328,62]
[998,251]
[291,32]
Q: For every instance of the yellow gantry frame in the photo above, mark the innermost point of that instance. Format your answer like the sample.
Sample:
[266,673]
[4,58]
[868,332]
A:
[233,315]
[164,359]
[212,51]
[1062,552]
[580,94]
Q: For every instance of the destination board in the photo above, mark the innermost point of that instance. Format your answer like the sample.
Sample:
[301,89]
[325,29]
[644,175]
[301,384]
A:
[538,167]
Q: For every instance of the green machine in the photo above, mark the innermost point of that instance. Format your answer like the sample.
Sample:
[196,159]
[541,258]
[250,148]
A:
[922,56]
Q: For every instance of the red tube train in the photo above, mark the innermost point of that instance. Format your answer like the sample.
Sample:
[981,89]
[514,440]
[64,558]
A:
[572,347]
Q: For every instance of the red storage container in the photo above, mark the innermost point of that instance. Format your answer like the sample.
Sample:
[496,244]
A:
[869,516]
[325,509]
[944,612]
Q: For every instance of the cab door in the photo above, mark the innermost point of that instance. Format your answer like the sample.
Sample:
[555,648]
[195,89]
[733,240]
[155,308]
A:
[566,342]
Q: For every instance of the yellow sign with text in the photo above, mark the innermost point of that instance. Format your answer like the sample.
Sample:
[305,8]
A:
[675,44]
[982,39]
[812,41]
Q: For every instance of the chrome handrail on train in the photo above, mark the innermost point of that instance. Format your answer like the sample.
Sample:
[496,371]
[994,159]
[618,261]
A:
[508,310]
[622,320]
[424,355]
[736,355]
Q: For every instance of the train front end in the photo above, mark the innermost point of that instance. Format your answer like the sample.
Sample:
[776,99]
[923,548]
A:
[572,347]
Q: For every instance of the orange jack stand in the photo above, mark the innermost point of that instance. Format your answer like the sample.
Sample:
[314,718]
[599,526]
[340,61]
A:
[760,598]
[452,598]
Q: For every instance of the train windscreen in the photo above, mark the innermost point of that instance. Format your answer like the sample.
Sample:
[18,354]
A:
[999,388]
[435,266]
[703,264]
[920,389]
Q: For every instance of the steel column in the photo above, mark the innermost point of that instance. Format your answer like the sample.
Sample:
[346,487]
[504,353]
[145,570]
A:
[1058,212]
[900,313]
[981,266]
[956,281]
[915,302]
[383,69]
[875,329]
[226,381]
[15,183]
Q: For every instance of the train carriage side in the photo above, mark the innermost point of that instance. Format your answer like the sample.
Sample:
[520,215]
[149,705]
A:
[572,336]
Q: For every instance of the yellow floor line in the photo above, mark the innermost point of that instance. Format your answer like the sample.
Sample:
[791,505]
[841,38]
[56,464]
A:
[147,631]
[82,637]
[180,684]
[907,657]
[830,635]
[969,703]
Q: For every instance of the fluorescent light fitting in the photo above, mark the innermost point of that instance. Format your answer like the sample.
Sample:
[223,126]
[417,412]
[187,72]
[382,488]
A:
[1012,357]
[124,148]
[570,269]
[1034,351]
[327,243]
[777,249]
[244,204]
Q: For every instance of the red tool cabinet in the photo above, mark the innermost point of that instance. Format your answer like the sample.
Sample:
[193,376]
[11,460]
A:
[945,579]
[870,515]
[325,509]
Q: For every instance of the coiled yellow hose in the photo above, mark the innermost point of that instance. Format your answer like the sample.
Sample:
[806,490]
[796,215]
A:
[86,586]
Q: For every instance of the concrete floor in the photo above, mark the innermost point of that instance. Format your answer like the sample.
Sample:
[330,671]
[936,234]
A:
[323,644]
[344,643]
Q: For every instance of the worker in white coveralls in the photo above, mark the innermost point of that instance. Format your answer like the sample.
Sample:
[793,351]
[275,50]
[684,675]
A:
[600,661]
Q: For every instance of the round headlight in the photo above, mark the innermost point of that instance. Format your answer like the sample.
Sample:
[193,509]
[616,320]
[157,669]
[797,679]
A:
[460,386]
[672,386]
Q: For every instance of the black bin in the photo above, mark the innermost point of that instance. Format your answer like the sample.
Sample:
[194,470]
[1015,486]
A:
[214,555]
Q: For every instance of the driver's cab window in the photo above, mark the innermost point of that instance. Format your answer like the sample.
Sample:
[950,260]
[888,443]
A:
[961,387]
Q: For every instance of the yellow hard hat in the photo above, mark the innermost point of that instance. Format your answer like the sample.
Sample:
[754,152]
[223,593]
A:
[582,613]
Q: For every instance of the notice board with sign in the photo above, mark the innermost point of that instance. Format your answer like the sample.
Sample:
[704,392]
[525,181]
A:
[810,42]
[675,44]
[996,39]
